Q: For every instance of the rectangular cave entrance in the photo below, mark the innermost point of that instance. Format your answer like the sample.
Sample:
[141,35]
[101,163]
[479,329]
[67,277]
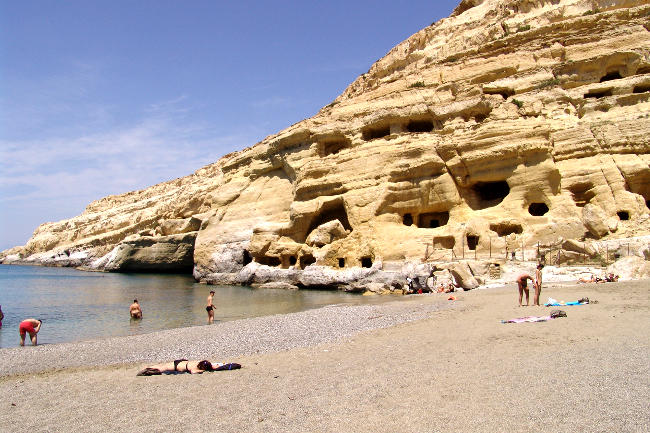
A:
[374,132]
[433,220]
[472,242]
[420,126]
[366,262]
[445,242]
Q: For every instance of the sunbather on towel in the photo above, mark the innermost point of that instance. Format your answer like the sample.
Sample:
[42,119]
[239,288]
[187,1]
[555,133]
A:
[185,366]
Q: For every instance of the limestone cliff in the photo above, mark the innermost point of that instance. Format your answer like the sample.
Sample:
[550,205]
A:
[519,121]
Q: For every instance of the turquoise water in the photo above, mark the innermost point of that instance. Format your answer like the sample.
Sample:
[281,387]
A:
[76,305]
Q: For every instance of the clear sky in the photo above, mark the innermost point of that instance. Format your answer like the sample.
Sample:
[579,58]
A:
[101,97]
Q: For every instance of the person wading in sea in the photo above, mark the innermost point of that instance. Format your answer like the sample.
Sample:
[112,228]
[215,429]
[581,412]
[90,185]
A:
[31,327]
[210,307]
[135,310]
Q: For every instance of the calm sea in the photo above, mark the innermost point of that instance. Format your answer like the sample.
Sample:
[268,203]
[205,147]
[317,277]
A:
[76,305]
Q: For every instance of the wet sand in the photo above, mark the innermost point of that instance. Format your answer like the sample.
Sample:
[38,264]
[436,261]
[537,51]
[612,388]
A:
[413,365]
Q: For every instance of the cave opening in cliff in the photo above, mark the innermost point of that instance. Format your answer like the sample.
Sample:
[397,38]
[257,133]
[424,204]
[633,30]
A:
[611,76]
[598,93]
[504,92]
[247,257]
[407,219]
[623,215]
[505,229]
[366,262]
[488,194]
[538,209]
[445,242]
[270,261]
[306,260]
[582,193]
[472,242]
[292,260]
[332,146]
[330,212]
[372,133]
[420,126]
[341,262]
[641,88]
[433,220]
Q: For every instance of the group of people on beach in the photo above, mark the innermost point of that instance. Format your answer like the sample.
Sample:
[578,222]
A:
[609,278]
[135,310]
[522,285]
[33,326]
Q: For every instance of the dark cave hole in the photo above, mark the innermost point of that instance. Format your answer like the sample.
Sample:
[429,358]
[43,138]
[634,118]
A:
[247,257]
[373,133]
[472,242]
[366,262]
[407,219]
[538,209]
[489,194]
[420,126]
[611,76]
[623,215]
[341,262]
[433,220]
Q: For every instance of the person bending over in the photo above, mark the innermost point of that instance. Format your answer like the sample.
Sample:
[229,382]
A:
[135,310]
[522,284]
[31,327]
[185,366]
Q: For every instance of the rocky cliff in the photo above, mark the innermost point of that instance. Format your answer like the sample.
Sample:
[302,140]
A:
[512,122]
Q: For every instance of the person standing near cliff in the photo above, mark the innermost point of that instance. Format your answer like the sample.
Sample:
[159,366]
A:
[522,284]
[135,310]
[538,283]
[210,307]
[31,327]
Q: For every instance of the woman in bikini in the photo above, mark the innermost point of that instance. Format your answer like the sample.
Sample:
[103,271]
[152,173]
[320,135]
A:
[185,366]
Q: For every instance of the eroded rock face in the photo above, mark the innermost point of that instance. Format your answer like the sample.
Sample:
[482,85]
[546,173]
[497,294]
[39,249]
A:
[509,123]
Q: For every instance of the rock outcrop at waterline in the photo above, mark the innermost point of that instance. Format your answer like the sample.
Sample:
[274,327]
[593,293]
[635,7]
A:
[512,122]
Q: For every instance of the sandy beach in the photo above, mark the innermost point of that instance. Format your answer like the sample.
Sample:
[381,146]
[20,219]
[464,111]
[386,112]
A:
[419,364]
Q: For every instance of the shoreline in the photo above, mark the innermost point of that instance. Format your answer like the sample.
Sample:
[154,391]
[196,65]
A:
[400,366]
[227,339]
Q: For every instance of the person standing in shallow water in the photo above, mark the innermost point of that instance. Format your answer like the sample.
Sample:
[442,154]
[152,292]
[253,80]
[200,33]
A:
[135,310]
[538,283]
[31,327]
[210,307]
[2,316]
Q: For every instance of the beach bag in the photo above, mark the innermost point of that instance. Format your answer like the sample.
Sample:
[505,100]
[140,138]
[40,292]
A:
[557,313]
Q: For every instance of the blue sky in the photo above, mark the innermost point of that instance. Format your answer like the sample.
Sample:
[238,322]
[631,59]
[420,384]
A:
[103,97]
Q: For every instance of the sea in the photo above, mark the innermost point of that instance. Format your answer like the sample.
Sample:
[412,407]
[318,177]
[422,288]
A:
[76,305]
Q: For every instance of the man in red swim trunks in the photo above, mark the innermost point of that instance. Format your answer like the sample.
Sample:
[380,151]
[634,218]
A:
[31,327]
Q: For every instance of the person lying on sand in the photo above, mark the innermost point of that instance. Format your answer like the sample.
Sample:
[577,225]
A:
[185,366]
[591,279]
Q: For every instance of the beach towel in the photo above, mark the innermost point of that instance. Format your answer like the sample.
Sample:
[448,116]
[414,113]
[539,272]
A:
[528,319]
[555,303]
